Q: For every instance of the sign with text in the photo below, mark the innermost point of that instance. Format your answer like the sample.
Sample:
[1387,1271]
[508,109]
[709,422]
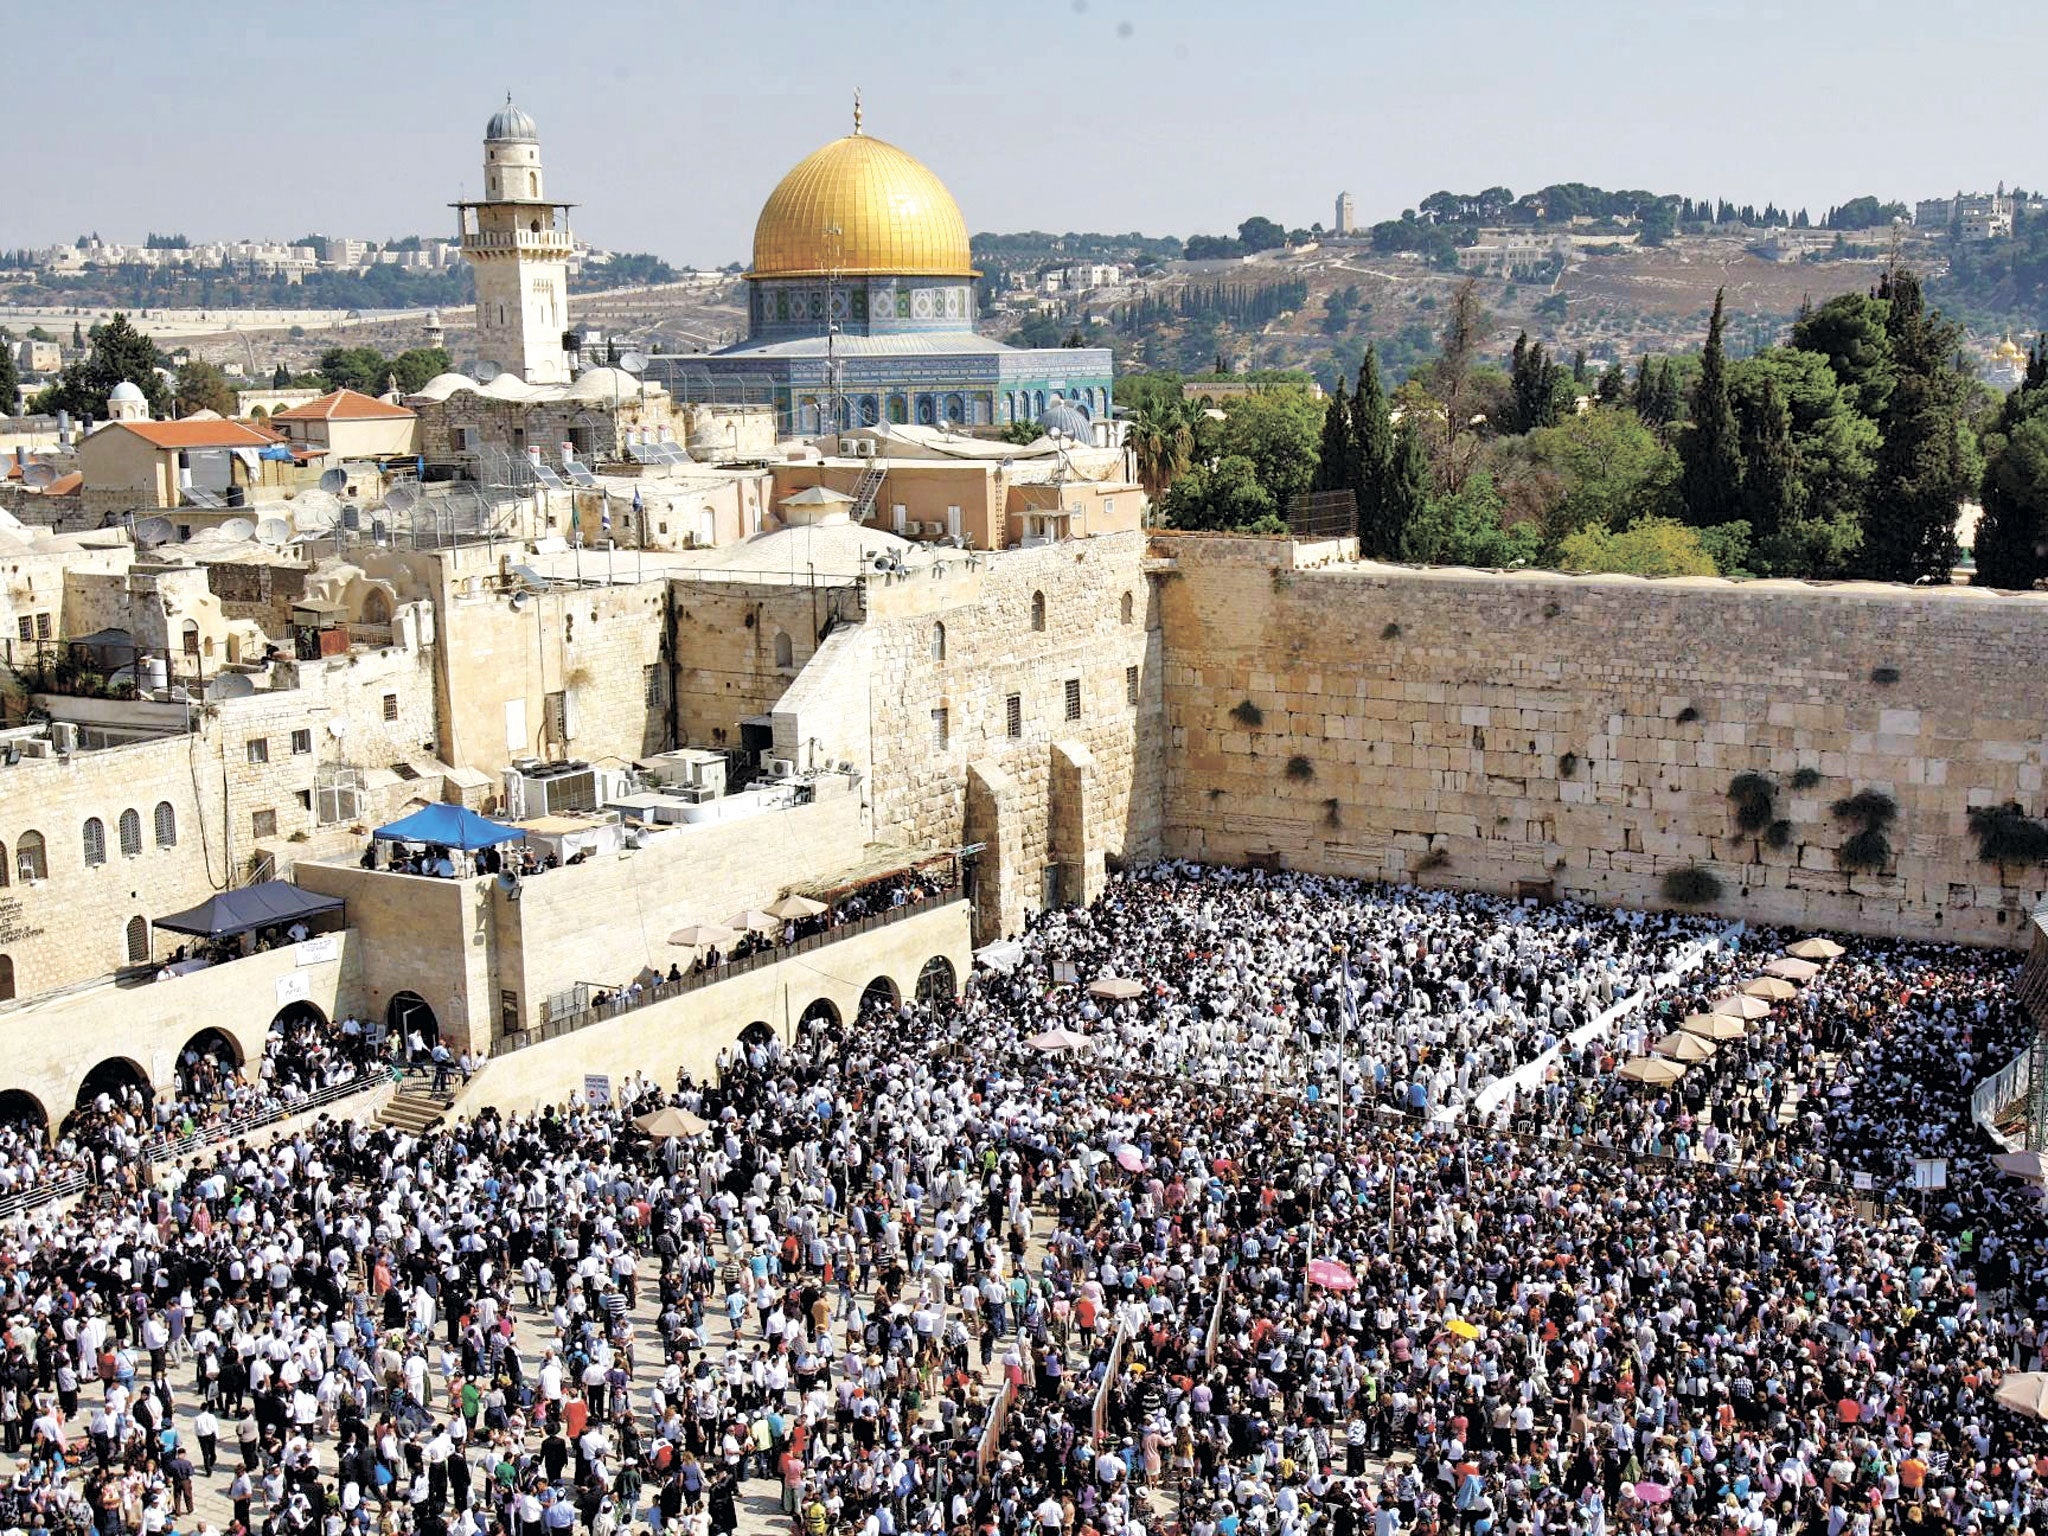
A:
[322,947]
[597,1088]
[293,987]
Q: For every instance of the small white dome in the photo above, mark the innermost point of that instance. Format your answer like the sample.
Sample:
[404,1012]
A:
[127,393]
[510,123]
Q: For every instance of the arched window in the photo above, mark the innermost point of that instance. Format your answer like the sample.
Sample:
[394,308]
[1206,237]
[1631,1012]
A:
[6,869]
[29,861]
[166,825]
[138,941]
[95,842]
[1129,605]
[1038,611]
[6,978]
[938,642]
[131,834]
[785,651]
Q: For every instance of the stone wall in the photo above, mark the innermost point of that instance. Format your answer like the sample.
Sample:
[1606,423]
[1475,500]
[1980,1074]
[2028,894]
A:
[1580,734]
[689,1031]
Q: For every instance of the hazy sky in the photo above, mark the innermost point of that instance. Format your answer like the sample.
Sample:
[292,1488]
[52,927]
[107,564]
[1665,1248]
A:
[670,122]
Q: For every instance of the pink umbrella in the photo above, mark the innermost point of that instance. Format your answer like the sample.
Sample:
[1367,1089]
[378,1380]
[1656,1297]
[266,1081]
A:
[1130,1159]
[1652,1493]
[1330,1275]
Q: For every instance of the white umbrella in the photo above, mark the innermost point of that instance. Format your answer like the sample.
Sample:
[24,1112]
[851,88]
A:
[1650,1069]
[1792,968]
[2025,1392]
[753,920]
[1053,1041]
[1815,949]
[1740,1007]
[702,936]
[794,908]
[1116,988]
[1683,1045]
[1772,989]
[1714,1026]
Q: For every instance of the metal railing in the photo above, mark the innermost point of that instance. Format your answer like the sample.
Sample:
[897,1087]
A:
[661,992]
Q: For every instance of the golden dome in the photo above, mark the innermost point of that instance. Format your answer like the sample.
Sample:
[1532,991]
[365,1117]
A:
[861,207]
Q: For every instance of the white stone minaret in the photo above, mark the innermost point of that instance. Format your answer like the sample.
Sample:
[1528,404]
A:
[519,244]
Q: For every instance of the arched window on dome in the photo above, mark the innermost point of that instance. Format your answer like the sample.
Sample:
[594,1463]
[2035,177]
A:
[1038,405]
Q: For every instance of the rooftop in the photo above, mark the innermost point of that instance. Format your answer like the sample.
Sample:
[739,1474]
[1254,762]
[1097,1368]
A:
[344,405]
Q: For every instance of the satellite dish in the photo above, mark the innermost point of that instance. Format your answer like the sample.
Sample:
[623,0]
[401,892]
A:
[230,685]
[39,477]
[483,370]
[237,528]
[273,530]
[634,362]
[152,531]
[334,481]
[400,498]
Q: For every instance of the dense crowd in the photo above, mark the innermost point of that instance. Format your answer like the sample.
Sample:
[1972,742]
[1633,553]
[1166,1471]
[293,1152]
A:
[1238,1267]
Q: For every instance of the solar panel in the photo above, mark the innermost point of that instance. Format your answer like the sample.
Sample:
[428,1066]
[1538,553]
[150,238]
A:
[579,474]
[195,497]
[548,478]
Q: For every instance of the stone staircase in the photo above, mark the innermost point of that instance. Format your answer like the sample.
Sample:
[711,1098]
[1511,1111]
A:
[415,1107]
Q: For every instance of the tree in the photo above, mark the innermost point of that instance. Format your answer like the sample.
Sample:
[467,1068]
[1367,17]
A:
[1539,390]
[1832,447]
[1406,494]
[414,366]
[77,335]
[1277,430]
[2012,536]
[1334,462]
[1770,470]
[118,352]
[1162,443]
[1656,546]
[1464,527]
[203,387]
[10,381]
[1602,469]
[1852,333]
[1710,484]
[280,377]
[358,368]
[1224,497]
[1923,468]
[1465,329]
[1381,517]
[1260,234]
[1612,389]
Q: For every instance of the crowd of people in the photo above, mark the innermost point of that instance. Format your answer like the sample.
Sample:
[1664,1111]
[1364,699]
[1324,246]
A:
[1248,1263]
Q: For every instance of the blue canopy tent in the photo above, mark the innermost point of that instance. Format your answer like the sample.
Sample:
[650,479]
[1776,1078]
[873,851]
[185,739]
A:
[268,905]
[448,826]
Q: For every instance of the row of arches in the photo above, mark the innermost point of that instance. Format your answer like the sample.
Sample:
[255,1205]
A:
[937,983]
[1127,611]
[1030,404]
[31,861]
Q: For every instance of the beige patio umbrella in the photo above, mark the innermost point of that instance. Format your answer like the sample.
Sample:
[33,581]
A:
[1650,1069]
[1116,988]
[753,920]
[2025,1392]
[794,908]
[703,936]
[661,1124]
[1815,949]
[2032,1166]
[1684,1045]
[1054,1041]
[1737,1006]
[1792,968]
[1714,1026]
[1771,988]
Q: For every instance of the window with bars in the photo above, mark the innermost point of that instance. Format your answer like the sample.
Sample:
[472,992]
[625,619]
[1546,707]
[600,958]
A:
[30,861]
[95,839]
[1131,686]
[131,834]
[1073,698]
[940,730]
[1013,716]
[138,940]
[390,706]
[42,626]
[166,825]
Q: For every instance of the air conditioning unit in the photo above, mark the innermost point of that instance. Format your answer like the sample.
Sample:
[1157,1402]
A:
[781,768]
[546,789]
[694,794]
[863,448]
[64,737]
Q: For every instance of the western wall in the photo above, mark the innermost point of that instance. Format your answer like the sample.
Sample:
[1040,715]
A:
[1578,736]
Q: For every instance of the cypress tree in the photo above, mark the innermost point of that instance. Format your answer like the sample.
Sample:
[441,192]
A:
[281,377]
[1372,457]
[1644,396]
[1333,460]
[1770,470]
[1579,374]
[1407,490]
[1710,481]
[1909,527]
[1613,386]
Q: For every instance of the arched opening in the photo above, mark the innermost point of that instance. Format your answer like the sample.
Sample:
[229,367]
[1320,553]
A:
[1038,611]
[938,642]
[29,860]
[296,1016]
[234,649]
[376,606]
[166,825]
[22,1113]
[879,996]
[757,1033]
[927,411]
[117,1079]
[1129,607]
[131,834]
[785,650]
[189,637]
[6,978]
[820,1013]
[935,983]
[136,938]
[409,1018]
[94,837]
[206,1062]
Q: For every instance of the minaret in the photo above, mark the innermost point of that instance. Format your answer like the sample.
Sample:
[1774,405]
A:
[519,245]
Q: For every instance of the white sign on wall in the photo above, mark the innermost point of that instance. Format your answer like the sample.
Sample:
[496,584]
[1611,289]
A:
[293,987]
[321,947]
[597,1088]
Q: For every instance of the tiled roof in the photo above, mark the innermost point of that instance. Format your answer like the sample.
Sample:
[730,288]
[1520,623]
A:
[344,405]
[199,434]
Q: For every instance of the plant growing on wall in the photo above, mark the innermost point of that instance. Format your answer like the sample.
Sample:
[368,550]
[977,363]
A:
[1868,848]
[1331,818]
[1300,769]
[1568,765]
[1391,631]
[1806,778]
[1436,858]
[1691,886]
[2008,837]
[1754,797]
[1778,834]
[1688,715]
[1248,714]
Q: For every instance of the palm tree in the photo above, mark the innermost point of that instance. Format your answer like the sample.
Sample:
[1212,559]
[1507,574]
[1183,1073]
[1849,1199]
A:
[1162,444]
